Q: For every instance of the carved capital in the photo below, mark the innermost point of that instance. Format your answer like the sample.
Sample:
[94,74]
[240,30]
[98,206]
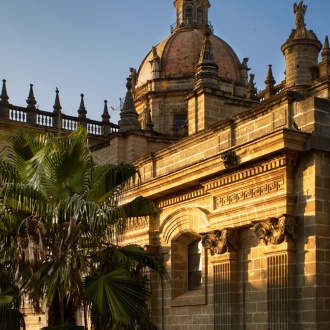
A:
[276,230]
[220,242]
[229,158]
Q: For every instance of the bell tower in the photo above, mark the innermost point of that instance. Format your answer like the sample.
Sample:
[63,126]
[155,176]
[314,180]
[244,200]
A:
[192,13]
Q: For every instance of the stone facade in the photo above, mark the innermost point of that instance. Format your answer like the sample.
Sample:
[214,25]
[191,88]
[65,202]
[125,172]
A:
[242,191]
[266,200]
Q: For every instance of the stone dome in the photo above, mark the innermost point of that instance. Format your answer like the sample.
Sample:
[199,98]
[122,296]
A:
[179,55]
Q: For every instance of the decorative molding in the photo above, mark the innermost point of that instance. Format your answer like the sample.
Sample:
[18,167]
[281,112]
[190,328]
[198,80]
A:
[220,242]
[276,230]
[181,198]
[257,168]
[261,190]
[229,158]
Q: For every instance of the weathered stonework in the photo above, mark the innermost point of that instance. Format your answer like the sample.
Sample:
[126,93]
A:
[247,177]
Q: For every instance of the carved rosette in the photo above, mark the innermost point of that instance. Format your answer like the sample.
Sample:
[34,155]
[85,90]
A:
[229,158]
[220,242]
[276,230]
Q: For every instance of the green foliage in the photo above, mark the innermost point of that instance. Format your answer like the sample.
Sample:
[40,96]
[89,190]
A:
[60,218]
[10,315]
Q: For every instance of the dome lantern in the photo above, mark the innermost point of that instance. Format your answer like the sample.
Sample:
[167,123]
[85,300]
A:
[191,13]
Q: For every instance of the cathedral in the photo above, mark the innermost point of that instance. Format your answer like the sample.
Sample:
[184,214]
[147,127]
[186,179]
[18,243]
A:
[240,177]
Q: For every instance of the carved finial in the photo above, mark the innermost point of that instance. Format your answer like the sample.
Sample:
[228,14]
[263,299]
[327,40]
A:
[129,116]
[270,81]
[206,54]
[31,101]
[155,63]
[251,90]
[244,71]
[207,69]
[300,10]
[57,105]
[154,52]
[326,50]
[82,110]
[133,77]
[105,115]
[4,96]
[149,123]
[129,83]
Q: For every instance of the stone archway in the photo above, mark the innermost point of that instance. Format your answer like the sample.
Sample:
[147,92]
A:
[184,219]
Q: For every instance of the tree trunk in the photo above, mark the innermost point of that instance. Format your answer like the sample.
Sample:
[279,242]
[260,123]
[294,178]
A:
[54,311]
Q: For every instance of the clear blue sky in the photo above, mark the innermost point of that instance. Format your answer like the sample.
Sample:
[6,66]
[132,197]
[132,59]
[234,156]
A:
[84,46]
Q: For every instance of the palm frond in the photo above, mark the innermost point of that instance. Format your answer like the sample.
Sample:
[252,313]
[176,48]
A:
[26,152]
[139,207]
[24,198]
[109,180]
[8,172]
[67,168]
[118,295]
[144,258]
[10,316]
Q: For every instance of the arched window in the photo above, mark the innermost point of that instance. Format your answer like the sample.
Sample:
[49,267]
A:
[186,264]
[200,17]
[189,14]
[195,265]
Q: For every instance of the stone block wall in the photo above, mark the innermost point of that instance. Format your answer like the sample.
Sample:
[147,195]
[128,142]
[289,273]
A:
[313,189]
[313,115]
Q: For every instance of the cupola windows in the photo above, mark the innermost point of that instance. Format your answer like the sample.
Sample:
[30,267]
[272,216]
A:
[200,16]
[189,14]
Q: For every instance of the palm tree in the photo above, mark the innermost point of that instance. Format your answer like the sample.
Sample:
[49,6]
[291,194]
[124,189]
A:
[62,219]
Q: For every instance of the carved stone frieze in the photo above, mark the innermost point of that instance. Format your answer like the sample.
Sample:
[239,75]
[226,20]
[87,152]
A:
[253,192]
[229,158]
[220,242]
[276,230]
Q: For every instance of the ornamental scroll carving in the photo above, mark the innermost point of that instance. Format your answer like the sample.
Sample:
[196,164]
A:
[229,158]
[220,242]
[276,230]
